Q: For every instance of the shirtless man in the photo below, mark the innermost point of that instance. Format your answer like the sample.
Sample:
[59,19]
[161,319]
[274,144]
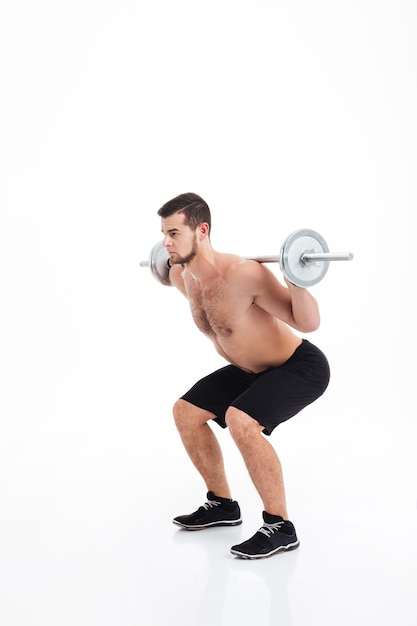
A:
[272,373]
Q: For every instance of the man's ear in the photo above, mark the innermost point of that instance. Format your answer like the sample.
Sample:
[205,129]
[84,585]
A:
[203,230]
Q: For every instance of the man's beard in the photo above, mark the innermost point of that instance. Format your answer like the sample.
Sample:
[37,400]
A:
[183,260]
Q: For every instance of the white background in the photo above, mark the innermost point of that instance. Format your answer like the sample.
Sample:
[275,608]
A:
[282,115]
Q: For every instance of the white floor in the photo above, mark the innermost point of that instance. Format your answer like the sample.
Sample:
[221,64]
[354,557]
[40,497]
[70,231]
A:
[86,534]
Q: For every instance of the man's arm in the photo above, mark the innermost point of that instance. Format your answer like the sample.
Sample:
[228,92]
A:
[293,305]
[176,279]
[305,310]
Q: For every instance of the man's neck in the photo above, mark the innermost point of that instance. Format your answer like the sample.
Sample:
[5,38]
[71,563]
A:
[204,266]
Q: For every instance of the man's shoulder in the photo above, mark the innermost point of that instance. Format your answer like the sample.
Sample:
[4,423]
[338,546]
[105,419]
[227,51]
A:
[239,268]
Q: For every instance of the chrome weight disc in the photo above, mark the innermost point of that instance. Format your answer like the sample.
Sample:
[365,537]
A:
[158,263]
[301,272]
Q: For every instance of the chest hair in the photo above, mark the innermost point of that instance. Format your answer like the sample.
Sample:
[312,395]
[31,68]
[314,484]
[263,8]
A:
[211,309]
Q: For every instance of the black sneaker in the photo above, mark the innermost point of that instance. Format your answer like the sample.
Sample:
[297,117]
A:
[215,512]
[276,535]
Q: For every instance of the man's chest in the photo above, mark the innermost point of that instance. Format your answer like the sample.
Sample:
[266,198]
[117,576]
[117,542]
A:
[216,308]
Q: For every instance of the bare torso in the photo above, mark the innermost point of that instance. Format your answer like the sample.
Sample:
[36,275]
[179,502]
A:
[224,308]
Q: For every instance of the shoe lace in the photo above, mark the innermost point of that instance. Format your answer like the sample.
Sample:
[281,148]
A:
[211,504]
[270,529]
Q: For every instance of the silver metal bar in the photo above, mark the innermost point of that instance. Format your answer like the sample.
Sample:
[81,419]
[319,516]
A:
[308,257]
[264,259]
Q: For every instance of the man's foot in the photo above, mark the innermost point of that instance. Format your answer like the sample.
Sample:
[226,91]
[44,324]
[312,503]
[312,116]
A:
[276,535]
[215,512]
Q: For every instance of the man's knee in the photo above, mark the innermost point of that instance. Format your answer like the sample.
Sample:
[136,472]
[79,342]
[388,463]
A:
[240,424]
[187,415]
[180,412]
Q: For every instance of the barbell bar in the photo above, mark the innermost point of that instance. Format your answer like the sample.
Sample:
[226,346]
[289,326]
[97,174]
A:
[304,259]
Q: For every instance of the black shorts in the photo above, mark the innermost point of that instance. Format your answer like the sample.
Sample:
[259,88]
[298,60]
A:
[270,397]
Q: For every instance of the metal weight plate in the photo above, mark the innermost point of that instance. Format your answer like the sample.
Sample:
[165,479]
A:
[158,263]
[303,274]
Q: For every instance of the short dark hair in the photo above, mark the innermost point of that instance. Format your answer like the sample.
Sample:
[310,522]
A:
[194,208]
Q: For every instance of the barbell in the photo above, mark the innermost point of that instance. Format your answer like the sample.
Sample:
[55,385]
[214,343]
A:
[304,259]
